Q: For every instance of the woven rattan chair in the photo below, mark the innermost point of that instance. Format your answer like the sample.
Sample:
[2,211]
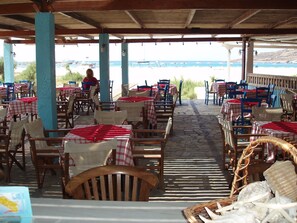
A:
[110,117]
[45,156]
[86,156]
[267,114]
[148,151]
[115,183]
[12,144]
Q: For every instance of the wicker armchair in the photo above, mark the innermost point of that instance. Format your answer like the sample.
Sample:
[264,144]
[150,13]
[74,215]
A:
[120,183]
[267,114]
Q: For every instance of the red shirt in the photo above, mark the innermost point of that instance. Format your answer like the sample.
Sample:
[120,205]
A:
[91,82]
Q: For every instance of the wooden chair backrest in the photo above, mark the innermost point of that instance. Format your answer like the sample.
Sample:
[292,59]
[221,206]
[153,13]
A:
[110,117]
[35,129]
[286,102]
[115,183]
[87,156]
[267,114]
[16,131]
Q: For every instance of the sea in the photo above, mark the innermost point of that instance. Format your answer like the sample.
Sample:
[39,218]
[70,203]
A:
[152,71]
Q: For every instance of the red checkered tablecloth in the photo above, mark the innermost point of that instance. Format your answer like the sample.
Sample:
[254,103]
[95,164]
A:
[18,107]
[231,110]
[68,91]
[148,105]
[123,152]
[259,128]
[219,88]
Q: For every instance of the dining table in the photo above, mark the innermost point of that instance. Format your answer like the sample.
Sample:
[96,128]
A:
[68,91]
[219,88]
[279,129]
[149,106]
[22,106]
[99,133]
[50,210]
[231,109]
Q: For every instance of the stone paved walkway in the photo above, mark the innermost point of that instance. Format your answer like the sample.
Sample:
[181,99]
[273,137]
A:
[192,159]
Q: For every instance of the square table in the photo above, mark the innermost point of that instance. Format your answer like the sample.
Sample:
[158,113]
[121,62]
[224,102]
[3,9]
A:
[279,129]
[22,106]
[149,105]
[98,133]
[68,91]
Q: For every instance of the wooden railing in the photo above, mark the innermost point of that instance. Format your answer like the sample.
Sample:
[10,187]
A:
[281,82]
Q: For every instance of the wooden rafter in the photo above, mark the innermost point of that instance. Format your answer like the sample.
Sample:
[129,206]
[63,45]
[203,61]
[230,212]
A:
[10,27]
[280,23]
[100,5]
[245,16]
[148,31]
[135,19]
[190,18]
[83,19]
[154,40]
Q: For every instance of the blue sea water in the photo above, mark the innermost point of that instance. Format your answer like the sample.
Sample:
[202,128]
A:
[155,64]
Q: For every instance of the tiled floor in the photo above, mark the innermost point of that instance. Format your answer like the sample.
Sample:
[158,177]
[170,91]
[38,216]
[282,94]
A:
[192,159]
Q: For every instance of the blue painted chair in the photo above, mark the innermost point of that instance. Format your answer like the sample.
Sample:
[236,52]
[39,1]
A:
[10,94]
[263,93]
[145,88]
[246,105]
[26,92]
[180,91]
[71,82]
[208,93]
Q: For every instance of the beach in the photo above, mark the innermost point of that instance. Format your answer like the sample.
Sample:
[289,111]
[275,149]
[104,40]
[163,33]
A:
[138,74]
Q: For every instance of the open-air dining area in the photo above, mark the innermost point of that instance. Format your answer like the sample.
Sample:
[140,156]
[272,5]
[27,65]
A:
[122,143]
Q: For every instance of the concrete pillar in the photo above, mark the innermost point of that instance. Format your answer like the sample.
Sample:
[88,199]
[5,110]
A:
[125,64]
[250,58]
[45,69]
[8,63]
[104,66]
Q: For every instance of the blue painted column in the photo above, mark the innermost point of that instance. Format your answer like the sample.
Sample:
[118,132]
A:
[125,64]
[104,66]
[8,63]
[45,69]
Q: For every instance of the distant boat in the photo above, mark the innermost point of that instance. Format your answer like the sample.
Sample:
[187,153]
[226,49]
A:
[144,62]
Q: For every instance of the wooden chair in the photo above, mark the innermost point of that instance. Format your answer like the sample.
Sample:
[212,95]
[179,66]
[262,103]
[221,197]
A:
[86,156]
[148,146]
[267,114]
[12,144]
[235,143]
[165,110]
[45,156]
[263,93]
[133,93]
[110,117]
[125,90]
[286,101]
[136,114]
[86,100]
[180,91]
[107,106]
[114,183]
[145,88]
[65,112]
[208,93]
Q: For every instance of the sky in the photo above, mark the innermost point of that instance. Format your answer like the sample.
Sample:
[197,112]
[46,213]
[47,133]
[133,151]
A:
[137,51]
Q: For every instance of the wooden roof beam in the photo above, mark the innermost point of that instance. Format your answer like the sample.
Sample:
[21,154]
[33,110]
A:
[100,5]
[245,16]
[83,19]
[146,31]
[9,27]
[135,19]
[190,18]
[154,40]
[280,23]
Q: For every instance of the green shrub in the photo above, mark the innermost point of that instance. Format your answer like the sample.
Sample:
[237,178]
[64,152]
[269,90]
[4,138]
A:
[28,74]
[70,76]
[188,87]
